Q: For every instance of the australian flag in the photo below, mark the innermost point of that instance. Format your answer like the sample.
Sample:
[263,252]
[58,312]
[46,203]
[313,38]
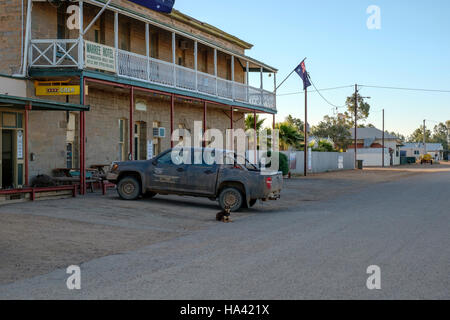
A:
[164,6]
[301,70]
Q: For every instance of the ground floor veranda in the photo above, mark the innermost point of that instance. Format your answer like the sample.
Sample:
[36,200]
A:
[124,122]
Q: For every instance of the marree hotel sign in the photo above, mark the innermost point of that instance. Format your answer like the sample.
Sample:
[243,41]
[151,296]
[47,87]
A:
[98,56]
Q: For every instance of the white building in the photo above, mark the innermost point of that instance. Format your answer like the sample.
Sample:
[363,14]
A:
[416,149]
[370,147]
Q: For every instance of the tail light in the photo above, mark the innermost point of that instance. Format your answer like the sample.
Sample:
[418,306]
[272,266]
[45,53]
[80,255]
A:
[269,182]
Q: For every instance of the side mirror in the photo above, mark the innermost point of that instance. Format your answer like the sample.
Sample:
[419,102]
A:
[154,162]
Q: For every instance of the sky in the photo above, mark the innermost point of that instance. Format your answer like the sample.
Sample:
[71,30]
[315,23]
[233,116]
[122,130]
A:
[411,49]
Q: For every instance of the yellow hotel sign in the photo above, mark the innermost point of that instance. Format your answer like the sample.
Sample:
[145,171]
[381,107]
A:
[61,90]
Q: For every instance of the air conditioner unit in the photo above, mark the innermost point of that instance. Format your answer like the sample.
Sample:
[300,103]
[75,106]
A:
[159,132]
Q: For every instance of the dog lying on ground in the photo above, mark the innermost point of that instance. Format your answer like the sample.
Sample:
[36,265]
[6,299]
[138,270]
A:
[224,216]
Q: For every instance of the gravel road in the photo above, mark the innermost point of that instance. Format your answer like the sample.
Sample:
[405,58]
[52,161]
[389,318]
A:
[311,250]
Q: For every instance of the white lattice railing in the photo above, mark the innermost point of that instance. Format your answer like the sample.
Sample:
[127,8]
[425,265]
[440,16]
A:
[54,53]
[207,83]
[65,53]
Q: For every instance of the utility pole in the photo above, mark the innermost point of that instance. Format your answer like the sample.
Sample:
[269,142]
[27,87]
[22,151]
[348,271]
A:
[356,125]
[382,152]
[306,133]
[448,134]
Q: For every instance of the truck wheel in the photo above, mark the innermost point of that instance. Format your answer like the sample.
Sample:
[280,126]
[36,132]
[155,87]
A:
[129,188]
[252,202]
[231,198]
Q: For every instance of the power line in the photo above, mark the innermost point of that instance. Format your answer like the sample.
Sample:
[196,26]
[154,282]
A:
[325,99]
[407,89]
[300,92]
[370,86]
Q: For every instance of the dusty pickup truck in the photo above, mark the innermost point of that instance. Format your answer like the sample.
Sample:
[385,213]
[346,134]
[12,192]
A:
[235,185]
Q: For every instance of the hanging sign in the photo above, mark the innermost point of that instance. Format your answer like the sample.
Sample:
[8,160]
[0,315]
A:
[58,90]
[98,56]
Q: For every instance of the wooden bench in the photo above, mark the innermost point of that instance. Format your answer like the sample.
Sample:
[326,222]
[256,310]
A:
[33,191]
[76,181]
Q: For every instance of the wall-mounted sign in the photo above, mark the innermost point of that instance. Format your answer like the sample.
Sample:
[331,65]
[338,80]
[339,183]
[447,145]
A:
[98,56]
[58,90]
[19,144]
[309,159]
[149,149]
[292,161]
[341,162]
[141,106]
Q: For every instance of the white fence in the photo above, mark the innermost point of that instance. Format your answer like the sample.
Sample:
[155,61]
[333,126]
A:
[65,53]
[321,161]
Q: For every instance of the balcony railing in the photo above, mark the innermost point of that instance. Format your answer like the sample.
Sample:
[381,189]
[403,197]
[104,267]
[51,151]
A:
[65,53]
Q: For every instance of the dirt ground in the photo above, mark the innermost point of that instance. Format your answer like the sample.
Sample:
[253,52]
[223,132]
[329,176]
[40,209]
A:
[38,237]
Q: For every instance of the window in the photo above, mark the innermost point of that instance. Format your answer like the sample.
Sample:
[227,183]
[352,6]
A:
[140,139]
[70,140]
[204,61]
[99,30]
[229,69]
[61,22]
[125,36]
[154,46]
[122,135]
[156,141]
[69,153]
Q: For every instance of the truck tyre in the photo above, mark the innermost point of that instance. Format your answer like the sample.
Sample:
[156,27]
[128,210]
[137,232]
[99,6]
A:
[231,198]
[129,188]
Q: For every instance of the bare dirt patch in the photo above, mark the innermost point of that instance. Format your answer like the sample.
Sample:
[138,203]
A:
[31,245]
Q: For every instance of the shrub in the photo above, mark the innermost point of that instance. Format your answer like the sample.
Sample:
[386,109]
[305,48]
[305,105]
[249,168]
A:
[282,160]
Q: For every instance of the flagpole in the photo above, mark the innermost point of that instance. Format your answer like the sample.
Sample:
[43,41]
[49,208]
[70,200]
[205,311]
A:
[288,76]
[306,131]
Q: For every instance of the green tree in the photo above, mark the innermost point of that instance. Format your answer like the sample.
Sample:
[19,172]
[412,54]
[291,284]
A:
[417,135]
[335,129]
[297,123]
[324,146]
[289,136]
[363,110]
[440,134]
[250,124]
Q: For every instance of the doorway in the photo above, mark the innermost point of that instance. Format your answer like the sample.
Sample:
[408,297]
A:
[7,159]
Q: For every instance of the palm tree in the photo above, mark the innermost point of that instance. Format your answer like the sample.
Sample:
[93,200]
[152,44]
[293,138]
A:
[250,124]
[289,136]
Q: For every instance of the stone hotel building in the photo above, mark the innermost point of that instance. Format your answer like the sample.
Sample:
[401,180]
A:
[86,83]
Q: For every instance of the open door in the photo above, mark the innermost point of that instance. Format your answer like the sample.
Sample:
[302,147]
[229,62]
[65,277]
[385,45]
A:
[8,163]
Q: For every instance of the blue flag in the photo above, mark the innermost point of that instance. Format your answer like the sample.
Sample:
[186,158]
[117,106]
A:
[301,70]
[164,6]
